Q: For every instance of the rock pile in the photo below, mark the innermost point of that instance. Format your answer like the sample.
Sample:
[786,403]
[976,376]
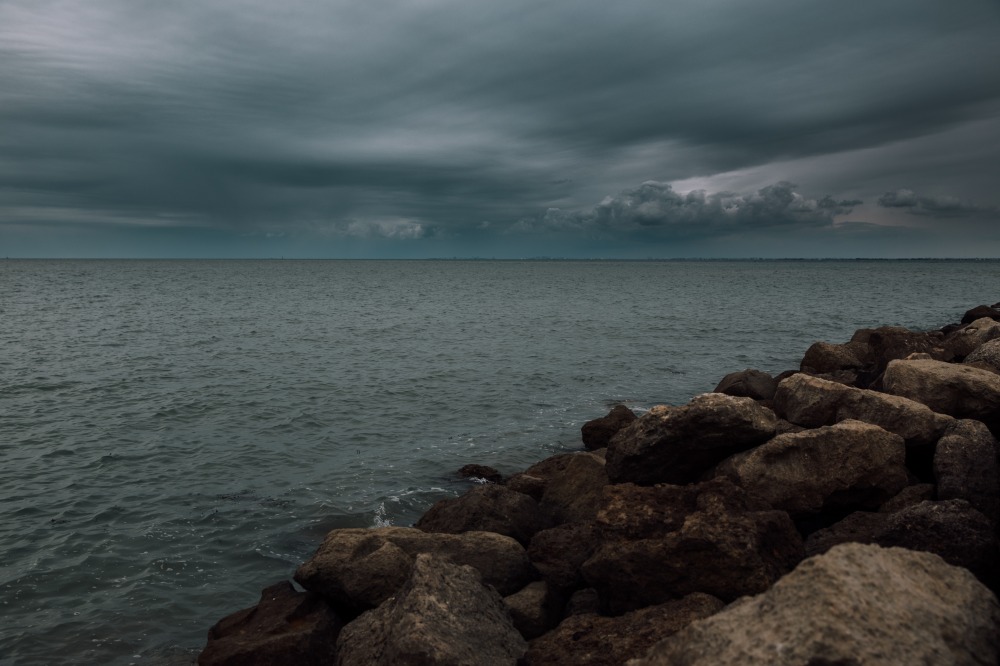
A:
[843,513]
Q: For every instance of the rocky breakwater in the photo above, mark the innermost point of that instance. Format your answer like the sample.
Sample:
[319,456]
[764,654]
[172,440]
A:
[843,513]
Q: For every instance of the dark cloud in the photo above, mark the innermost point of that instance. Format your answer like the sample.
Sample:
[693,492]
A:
[934,206]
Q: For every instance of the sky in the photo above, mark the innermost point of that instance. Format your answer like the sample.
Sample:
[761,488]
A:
[486,128]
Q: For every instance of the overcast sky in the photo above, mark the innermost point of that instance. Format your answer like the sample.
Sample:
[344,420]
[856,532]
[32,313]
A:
[514,128]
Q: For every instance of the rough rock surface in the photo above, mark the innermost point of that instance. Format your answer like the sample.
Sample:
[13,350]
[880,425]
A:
[664,542]
[678,444]
[558,553]
[960,390]
[484,472]
[443,616]
[748,383]
[981,311]
[965,467]
[967,339]
[597,433]
[594,640]
[535,479]
[986,357]
[359,568]
[888,343]
[813,402]
[489,508]
[847,465]
[574,493]
[854,606]
[952,529]
[908,496]
[285,628]
[824,357]
[535,610]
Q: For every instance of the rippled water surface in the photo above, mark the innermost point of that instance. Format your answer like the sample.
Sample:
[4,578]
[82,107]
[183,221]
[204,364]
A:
[177,435]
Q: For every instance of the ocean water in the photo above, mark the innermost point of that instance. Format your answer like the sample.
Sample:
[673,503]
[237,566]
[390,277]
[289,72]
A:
[176,435]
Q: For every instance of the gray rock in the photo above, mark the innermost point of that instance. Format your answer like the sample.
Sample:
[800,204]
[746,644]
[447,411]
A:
[678,444]
[962,391]
[597,433]
[442,616]
[856,605]
[488,508]
[359,568]
[847,465]
[965,467]
[748,383]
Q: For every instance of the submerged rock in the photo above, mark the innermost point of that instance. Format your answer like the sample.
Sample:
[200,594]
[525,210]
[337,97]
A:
[597,433]
[484,472]
[852,606]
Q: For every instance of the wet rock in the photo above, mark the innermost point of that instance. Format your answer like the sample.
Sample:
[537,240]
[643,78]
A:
[664,542]
[981,311]
[535,610]
[959,390]
[824,357]
[748,383]
[965,467]
[848,465]
[558,553]
[489,508]
[986,357]
[484,472]
[813,402]
[285,628]
[443,615]
[967,339]
[909,496]
[952,529]
[678,444]
[357,569]
[593,640]
[597,433]
[574,493]
[854,605]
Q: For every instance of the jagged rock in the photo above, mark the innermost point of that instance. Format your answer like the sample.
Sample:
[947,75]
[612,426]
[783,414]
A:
[489,508]
[532,486]
[909,496]
[534,480]
[443,615]
[986,357]
[535,610]
[852,606]
[962,391]
[359,568]
[967,339]
[678,444]
[965,467]
[285,628]
[981,311]
[824,357]
[952,529]
[663,542]
[558,553]
[783,427]
[847,465]
[597,433]
[483,472]
[574,493]
[593,640]
[748,383]
[813,402]
[583,602]
[888,343]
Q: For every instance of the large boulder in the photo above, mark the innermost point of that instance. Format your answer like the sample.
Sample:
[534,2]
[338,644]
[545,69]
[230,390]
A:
[535,479]
[748,383]
[359,568]
[487,508]
[965,467]
[597,433]
[559,553]
[970,337]
[678,444]
[595,640]
[574,493]
[980,311]
[850,465]
[854,605]
[285,628]
[813,402]
[663,542]
[828,358]
[888,343]
[535,609]
[986,357]
[443,615]
[952,529]
[962,391]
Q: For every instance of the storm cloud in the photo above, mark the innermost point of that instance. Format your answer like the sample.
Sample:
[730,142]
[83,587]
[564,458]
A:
[439,127]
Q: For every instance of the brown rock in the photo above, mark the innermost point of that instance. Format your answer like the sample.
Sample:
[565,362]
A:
[593,640]
[583,602]
[597,433]
[888,343]
[534,480]
[909,496]
[748,383]
[962,391]
[285,628]
[558,553]
[678,444]
[489,508]
[965,467]
[848,465]
[535,610]
[852,606]
[574,493]
[970,337]
[442,616]
[824,357]
[532,486]
[484,472]
[979,312]
[357,569]
[986,357]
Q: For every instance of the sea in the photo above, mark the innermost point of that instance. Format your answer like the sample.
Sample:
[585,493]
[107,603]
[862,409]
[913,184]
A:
[177,435]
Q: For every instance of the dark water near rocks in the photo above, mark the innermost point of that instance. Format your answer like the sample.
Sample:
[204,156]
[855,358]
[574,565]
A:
[175,435]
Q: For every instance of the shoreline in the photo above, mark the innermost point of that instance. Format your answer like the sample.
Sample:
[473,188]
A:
[876,455]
